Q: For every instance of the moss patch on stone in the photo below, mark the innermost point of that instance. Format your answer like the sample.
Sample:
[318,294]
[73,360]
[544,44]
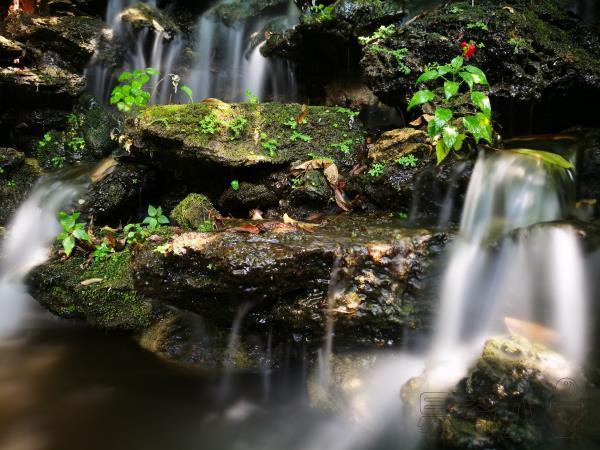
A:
[194,212]
[111,303]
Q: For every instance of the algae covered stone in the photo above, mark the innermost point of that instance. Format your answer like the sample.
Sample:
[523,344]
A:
[244,135]
[194,212]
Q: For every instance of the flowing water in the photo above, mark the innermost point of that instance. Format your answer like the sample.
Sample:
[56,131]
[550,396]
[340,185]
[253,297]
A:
[226,60]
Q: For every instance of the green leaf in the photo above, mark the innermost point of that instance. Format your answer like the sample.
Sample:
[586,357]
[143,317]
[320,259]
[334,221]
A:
[443,70]
[478,75]
[479,126]
[80,233]
[68,245]
[468,77]
[188,91]
[125,76]
[459,141]
[151,71]
[450,89]
[441,151]
[152,211]
[420,97]
[434,127]
[482,101]
[549,158]
[129,100]
[235,185]
[428,76]
[456,63]
[163,220]
[443,114]
[449,136]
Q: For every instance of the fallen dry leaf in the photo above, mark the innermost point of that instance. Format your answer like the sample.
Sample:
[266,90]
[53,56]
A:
[340,200]
[303,113]
[256,214]
[91,281]
[246,228]
[309,227]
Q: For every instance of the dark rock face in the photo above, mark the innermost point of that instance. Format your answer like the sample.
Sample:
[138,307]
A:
[518,395]
[17,176]
[530,57]
[286,277]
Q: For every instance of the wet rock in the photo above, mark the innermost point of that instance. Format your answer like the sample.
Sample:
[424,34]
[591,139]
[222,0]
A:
[73,37]
[186,338]
[201,134]
[234,13]
[117,197]
[146,16]
[312,190]
[18,174]
[518,395]
[10,51]
[247,197]
[97,124]
[530,55]
[106,299]
[386,271]
[408,179]
[588,166]
[42,81]
[194,212]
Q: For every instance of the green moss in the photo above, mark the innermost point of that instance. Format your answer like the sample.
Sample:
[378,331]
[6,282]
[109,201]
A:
[194,211]
[111,302]
[175,129]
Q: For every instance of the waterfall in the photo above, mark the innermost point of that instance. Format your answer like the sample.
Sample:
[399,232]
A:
[226,57]
[228,60]
[28,241]
[501,272]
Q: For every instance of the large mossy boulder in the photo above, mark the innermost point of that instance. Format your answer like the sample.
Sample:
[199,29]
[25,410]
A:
[243,135]
[530,52]
[100,292]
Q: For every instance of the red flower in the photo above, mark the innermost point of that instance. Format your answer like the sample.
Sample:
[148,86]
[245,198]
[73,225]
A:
[468,49]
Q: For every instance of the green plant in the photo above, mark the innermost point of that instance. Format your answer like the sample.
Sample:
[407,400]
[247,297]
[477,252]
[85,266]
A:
[46,140]
[351,114]
[377,169]
[551,159]
[344,146]
[292,123]
[236,127]
[208,226]
[130,93]
[317,156]
[1,170]
[235,185]
[251,99]
[297,135]
[269,144]
[102,252]
[188,91]
[382,32]
[11,184]
[521,45]
[403,215]
[162,249]
[58,161]
[155,218]
[297,182]
[479,25]
[135,233]
[456,10]
[76,144]
[398,54]
[451,125]
[73,231]
[72,119]
[322,13]
[407,161]
[209,124]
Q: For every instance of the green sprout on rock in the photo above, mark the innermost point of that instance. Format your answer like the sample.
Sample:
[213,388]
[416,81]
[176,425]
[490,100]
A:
[155,218]
[73,231]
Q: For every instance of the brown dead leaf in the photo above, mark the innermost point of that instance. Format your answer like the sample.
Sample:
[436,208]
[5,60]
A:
[246,228]
[256,214]
[417,122]
[308,227]
[303,113]
[332,175]
[340,199]
[105,167]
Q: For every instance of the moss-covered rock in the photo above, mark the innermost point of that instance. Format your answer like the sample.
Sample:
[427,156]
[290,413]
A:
[18,174]
[101,293]
[234,13]
[205,133]
[195,212]
[519,395]
[97,124]
[529,54]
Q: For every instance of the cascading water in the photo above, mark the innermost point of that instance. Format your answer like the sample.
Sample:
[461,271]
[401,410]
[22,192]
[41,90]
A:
[226,57]
[499,273]
[28,241]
